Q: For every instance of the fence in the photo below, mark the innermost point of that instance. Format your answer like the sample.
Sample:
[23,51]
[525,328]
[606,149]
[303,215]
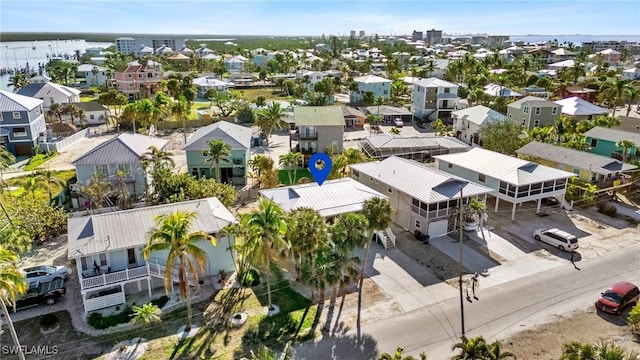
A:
[64,143]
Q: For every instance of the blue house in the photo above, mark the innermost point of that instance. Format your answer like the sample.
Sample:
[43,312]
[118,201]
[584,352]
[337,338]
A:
[21,122]
[604,141]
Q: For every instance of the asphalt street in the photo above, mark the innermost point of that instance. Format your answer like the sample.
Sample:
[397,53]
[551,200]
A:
[500,311]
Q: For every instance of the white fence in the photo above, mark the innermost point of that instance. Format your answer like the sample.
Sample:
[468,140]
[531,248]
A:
[64,143]
[102,302]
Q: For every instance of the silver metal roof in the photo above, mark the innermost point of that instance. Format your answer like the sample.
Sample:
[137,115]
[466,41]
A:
[333,198]
[236,136]
[503,167]
[575,158]
[424,183]
[479,114]
[122,149]
[416,142]
[575,106]
[433,82]
[613,135]
[14,102]
[102,233]
[43,90]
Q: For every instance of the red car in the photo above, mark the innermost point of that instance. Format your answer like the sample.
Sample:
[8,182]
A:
[618,297]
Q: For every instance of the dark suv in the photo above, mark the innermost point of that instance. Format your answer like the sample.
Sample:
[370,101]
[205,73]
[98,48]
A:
[618,297]
[38,293]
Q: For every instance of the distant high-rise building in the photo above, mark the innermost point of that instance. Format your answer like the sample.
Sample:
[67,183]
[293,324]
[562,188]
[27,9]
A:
[126,45]
[353,33]
[130,45]
[361,33]
[433,37]
[496,41]
[417,35]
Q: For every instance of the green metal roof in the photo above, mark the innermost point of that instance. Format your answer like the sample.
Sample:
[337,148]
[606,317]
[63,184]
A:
[318,116]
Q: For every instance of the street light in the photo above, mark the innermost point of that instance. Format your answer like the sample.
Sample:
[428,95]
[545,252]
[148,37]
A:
[460,269]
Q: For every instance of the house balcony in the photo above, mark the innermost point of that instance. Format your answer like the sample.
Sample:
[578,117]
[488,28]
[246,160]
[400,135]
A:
[304,135]
[113,278]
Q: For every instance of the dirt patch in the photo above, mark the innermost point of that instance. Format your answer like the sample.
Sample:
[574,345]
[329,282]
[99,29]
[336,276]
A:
[545,341]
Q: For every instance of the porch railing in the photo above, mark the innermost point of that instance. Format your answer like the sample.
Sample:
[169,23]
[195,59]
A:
[114,277]
[102,302]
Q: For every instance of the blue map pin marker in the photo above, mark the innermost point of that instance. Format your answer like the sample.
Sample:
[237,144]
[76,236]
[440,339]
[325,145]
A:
[320,167]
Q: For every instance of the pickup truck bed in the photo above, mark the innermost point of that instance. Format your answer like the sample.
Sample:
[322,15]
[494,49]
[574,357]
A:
[39,293]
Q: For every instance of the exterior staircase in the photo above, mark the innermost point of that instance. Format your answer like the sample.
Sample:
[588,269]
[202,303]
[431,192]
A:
[388,238]
[157,269]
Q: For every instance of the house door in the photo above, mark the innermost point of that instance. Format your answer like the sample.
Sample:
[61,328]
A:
[23,149]
[132,260]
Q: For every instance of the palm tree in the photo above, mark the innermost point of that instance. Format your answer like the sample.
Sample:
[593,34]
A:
[71,110]
[631,96]
[95,191]
[377,211]
[157,159]
[271,118]
[149,112]
[267,227]
[18,81]
[307,230]
[31,183]
[217,151]
[179,109]
[12,284]
[354,156]
[50,180]
[15,239]
[398,355]
[146,315]
[625,145]
[470,349]
[494,352]
[394,131]
[476,210]
[56,110]
[439,126]
[614,92]
[291,161]
[172,234]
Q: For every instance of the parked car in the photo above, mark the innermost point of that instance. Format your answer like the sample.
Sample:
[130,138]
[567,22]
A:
[398,122]
[557,238]
[38,293]
[619,296]
[46,273]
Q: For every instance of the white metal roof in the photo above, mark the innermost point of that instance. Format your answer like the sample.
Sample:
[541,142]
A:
[102,233]
[333,198]
[613,135]
[503,167]
[433,82]
[479,114]
[14,102]
[421,182]
[371,79]
[577,106]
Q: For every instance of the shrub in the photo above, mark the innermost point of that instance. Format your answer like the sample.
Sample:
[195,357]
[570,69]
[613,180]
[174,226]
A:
[160,302]
[48,321]
[102,322]
[250,278]
[607,209]
[634,319]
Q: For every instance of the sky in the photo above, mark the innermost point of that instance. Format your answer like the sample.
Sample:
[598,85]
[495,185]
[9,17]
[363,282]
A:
[329,17]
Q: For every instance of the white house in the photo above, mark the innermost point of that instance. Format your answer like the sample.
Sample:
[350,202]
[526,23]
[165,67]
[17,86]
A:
[206,83]
[578,108]
[467,123]
[379,86]
[94,113]
[631,74]
[422,198]
[94,75]
[107,249]
[433,98]
[50,93]
[500,90]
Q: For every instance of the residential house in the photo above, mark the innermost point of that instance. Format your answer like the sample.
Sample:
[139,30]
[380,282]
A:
[21,122]
[93,75]
[233,168]
[565,64]
[419,148]
[318,128]
[511,179]
[140,79]
[579,109]
[186,51]
[206,83]
[533,111]
[422,198]
[433,98]
[379,86]
[562,54]
[353,117]
[118,160]
[164,50]
[631,74]
[544,56]
[203,51]
[467,123]
[107,250]
[610,56]
[583,93]
[50,93]
[310,78]
[235,63]
[389,114]
[500,90]
[144,51]
[94,113]
[597,169]
[604,141]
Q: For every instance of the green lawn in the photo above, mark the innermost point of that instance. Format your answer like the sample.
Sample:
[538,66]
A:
[88,98]
[283,176]
[38,160]
[193,115]
[252,94]
[41,194]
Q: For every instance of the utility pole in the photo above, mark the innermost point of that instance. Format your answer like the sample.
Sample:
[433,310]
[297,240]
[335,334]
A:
[460,268]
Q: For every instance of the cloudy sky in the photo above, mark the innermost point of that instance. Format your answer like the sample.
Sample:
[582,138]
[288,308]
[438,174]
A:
[302,17]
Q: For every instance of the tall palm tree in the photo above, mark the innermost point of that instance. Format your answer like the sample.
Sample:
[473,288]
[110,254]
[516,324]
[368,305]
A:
[632,95]
[614,92]
[149,113]
[377,211]
[18,81]
[12,284]
[291,161]
[626,145]
[267,227]
[179,110]
[470,349]
[306,231]
[51,181]
[354,156]
[172,234]
[71,110]
[56,110]
[15,239]
[156,159]
[270,119]
[217,151]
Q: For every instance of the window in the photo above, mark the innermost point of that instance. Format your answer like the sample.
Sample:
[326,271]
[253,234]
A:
[91,117]
[594,143]
[102,170]
[355,173]
[389,189]
[17,132]
[131,256]
[386,92]
[447,90]
[524,121]
[125,168]
[16,115]
[52,100]
[103,259]
[481,177]
[525,109]
[450,165]
[129,76]
[83,261]
[537,111]
[416,202]
[554,111]
[536,123]
[418,223]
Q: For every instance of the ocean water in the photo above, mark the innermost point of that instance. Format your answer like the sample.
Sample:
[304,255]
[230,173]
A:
[20,53]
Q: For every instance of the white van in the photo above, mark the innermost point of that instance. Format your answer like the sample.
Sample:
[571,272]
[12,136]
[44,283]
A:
[557,238]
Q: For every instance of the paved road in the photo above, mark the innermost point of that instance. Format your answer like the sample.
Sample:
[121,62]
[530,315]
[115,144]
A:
[500,312]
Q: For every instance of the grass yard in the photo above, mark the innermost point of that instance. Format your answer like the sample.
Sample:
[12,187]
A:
[38,160]
[283,176]
[88,98]
[267,93]
[41,194]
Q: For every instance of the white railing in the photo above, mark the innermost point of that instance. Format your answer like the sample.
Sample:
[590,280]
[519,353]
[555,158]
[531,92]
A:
[114,277]
[157,268]
[66,142]
[102,302]
[391,236]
